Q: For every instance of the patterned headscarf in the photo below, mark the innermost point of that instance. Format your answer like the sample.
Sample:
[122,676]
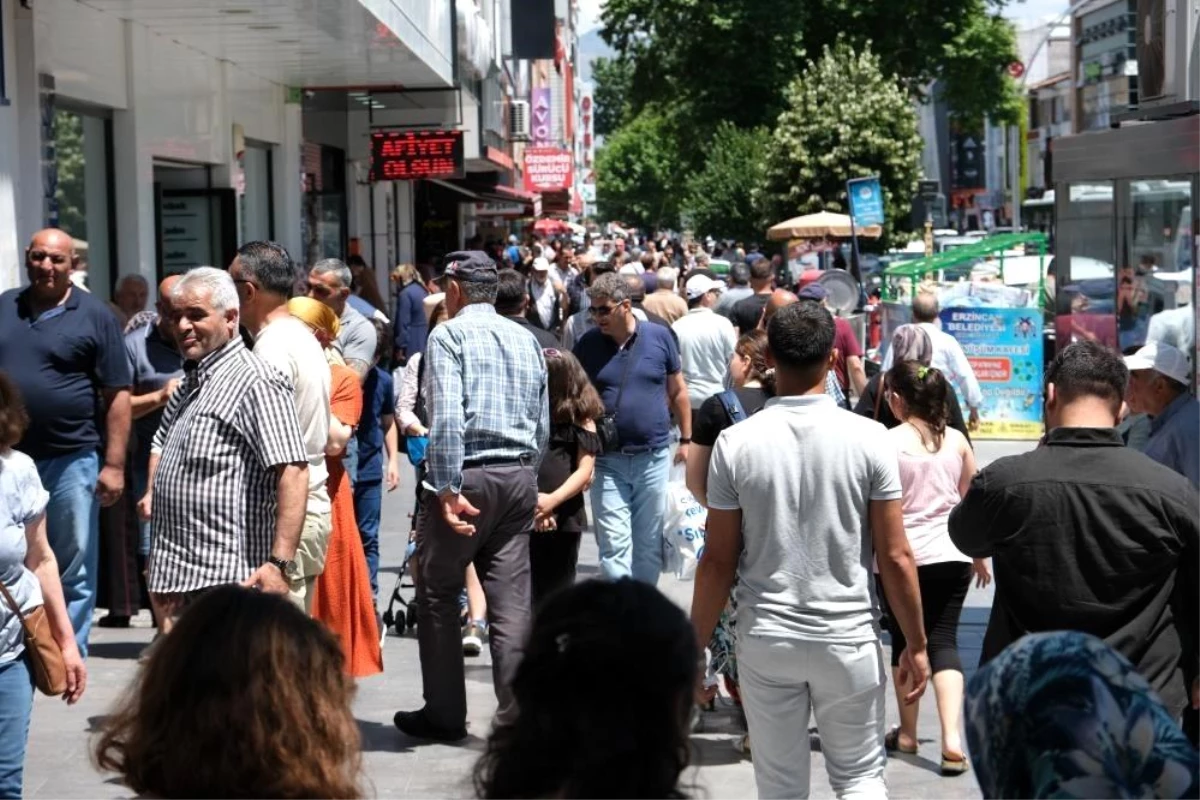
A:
[1064,715]
[912,343]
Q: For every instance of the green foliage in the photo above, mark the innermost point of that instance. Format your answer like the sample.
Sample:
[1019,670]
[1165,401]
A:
[974,78]
[68,147]
[720,197]
[845,119]
[635,171]
[613,79]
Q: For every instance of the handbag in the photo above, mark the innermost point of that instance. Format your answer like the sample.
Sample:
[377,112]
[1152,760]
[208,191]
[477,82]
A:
[45,657]
[416,447]
[606,426]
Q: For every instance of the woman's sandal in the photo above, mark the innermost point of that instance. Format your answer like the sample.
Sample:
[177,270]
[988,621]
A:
[891,743]
[954,765]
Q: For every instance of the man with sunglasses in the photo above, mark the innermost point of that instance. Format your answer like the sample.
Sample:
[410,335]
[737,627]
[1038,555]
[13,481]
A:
[635,367]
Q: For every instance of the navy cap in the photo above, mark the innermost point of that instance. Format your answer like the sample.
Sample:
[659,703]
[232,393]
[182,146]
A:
[470,265]
[814,291]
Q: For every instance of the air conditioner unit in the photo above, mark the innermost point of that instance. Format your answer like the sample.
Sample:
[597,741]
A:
[1167,40]
[1153,82]
[518,121]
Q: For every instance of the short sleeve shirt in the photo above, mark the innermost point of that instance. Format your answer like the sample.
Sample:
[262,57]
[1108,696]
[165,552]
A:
[61,361]
[643,419]
[22,500]
[154,361]
[377,401]
[803,472]
[748,312]
[846,343]
[712,418]
[357,338]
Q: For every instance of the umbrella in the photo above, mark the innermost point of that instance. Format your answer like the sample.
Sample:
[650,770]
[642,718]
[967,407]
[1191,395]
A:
[824,224]
[550,227]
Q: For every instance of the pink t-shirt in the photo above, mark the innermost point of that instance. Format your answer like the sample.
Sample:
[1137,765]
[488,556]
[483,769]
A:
[930,482]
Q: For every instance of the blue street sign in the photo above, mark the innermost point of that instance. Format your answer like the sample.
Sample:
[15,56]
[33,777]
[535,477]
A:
[866,201]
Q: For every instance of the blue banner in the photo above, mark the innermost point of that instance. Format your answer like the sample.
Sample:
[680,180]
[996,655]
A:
[866,201]
[1004,346]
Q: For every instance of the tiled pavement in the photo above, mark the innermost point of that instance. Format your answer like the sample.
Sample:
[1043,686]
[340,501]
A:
[58,764]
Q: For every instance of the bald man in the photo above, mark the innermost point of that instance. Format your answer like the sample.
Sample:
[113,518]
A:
[779,298]
[63,350]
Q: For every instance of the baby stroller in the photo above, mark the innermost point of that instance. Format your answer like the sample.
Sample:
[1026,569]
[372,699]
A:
[407,618]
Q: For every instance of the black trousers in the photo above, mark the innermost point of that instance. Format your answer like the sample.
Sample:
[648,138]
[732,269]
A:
[506,496]
[121,584]
[553,556]
[943,588]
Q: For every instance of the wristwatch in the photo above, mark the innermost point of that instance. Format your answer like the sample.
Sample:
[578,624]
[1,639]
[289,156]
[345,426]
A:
[289,569]
[685,440]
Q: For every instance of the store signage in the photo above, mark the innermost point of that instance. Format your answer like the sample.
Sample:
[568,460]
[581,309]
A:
[548,169]
[589,145]
[499,209]
[543,125]
[866,201]
[415,155]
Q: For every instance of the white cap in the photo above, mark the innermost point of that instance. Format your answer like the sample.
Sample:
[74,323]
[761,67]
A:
[1163,359]
[700,285]
[628,269]
[541,264]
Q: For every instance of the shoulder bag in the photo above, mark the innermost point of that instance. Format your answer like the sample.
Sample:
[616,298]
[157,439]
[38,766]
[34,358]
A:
[606,426]
[45,656]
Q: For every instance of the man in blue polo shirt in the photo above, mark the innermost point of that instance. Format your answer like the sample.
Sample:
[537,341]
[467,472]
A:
[63,349]
[636,370]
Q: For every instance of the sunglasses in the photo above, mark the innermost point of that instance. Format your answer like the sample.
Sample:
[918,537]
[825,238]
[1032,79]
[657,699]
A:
[603,311]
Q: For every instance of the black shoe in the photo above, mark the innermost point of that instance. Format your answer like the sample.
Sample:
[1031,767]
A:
[416,725]
[114,621]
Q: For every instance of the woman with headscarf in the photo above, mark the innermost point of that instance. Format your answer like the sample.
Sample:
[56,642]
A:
[1062,714]
[342,596]
[911,343]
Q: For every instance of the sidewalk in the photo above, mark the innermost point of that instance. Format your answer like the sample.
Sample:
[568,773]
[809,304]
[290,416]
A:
[58,763]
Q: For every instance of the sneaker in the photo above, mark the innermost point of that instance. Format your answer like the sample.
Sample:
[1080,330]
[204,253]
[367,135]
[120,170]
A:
[472,639]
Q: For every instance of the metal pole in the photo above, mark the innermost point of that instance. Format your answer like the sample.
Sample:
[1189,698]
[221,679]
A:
[1016,179]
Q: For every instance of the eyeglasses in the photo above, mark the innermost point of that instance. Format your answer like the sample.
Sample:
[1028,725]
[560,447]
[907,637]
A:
[603,311]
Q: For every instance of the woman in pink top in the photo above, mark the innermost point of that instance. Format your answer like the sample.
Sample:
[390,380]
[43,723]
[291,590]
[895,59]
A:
[936,467]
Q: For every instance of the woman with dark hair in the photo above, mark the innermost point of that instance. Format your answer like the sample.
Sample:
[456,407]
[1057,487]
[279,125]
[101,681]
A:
[910,343]
[247,697]
[936,468]
[563,742]
[566,470]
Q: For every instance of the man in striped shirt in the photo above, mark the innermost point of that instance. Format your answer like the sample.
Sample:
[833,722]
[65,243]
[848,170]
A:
[228,470]
[489,423]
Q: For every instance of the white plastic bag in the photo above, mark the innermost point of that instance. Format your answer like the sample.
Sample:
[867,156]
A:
[683,532]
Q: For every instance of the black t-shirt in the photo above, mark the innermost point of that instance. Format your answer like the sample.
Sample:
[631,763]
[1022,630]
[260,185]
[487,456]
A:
[748,311]
[712,418]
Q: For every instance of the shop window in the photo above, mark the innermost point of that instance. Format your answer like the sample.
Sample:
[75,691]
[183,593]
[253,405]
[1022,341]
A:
[324,228]
[1155,280]
[81,196]
[254,194]
[1083,269]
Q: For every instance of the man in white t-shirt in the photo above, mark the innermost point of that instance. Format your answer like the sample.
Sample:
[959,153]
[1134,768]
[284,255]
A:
[802,497]
[264,276]
[706,340]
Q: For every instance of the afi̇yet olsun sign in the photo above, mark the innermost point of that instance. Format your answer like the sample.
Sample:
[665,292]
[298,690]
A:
[411,155]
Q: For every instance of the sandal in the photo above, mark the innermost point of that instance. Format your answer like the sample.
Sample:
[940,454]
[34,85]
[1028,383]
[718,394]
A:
[891,743]
[954,765]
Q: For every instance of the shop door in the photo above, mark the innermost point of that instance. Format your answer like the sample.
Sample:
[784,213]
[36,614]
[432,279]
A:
[195,228]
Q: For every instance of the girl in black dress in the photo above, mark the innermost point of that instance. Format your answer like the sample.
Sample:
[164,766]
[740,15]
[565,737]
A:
[565,472]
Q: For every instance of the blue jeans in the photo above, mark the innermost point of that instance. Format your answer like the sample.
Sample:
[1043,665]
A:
[368,498]
[350,460]
[629,504]
[16,703]
[141,480]
[73,527]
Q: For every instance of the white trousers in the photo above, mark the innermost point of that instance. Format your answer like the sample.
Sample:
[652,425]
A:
[843,685]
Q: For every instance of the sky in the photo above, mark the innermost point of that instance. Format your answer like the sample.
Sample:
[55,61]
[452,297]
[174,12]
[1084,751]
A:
[1020,12]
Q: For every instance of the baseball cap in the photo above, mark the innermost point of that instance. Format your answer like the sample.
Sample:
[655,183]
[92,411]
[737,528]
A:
[700,285]
[1163,359]
[512,238]
[813,291]
[541,264]
[470,265]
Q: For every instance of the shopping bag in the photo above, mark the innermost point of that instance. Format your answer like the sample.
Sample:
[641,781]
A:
[683,532]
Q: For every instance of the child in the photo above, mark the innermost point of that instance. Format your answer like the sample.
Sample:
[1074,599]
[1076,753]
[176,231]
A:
[565,472]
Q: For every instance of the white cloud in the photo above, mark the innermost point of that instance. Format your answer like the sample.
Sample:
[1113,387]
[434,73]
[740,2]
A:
[589,15]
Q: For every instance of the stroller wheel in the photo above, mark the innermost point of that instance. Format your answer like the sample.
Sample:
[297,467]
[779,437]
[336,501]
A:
[399,626]
[410,616]
[388,618]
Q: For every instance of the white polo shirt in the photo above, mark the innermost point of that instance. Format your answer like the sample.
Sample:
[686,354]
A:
[706,342]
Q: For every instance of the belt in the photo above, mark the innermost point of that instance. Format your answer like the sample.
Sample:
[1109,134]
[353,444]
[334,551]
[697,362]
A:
[522,460]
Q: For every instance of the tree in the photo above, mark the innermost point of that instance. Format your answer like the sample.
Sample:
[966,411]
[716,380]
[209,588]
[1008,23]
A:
[720,197]
[634,172]
[845,119]
[612,78]
[70,194]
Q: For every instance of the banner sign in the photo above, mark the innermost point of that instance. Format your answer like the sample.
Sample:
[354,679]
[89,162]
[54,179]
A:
[410,155]
[542,124]
[548,169]
[866,201]
[1004,346]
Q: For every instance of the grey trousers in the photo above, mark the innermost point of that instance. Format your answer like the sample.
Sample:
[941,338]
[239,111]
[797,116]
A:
[506,496]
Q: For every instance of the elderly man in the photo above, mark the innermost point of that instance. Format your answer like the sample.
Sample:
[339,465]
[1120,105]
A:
[547,297]
[62,347]
[1158,386]
[228,471]
[706,341]
[635,368]
[665,301]
[264,277]
[130,297]
[490,421]
[329,281]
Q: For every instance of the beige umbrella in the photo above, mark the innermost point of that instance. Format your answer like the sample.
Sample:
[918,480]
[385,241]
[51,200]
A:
[822,225]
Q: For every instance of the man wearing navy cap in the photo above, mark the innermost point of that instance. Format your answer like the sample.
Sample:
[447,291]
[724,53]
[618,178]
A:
[489,423]
[848,366]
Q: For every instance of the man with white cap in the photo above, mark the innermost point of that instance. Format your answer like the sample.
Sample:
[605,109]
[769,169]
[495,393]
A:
[1158,386]
[706,340]
[547,298]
